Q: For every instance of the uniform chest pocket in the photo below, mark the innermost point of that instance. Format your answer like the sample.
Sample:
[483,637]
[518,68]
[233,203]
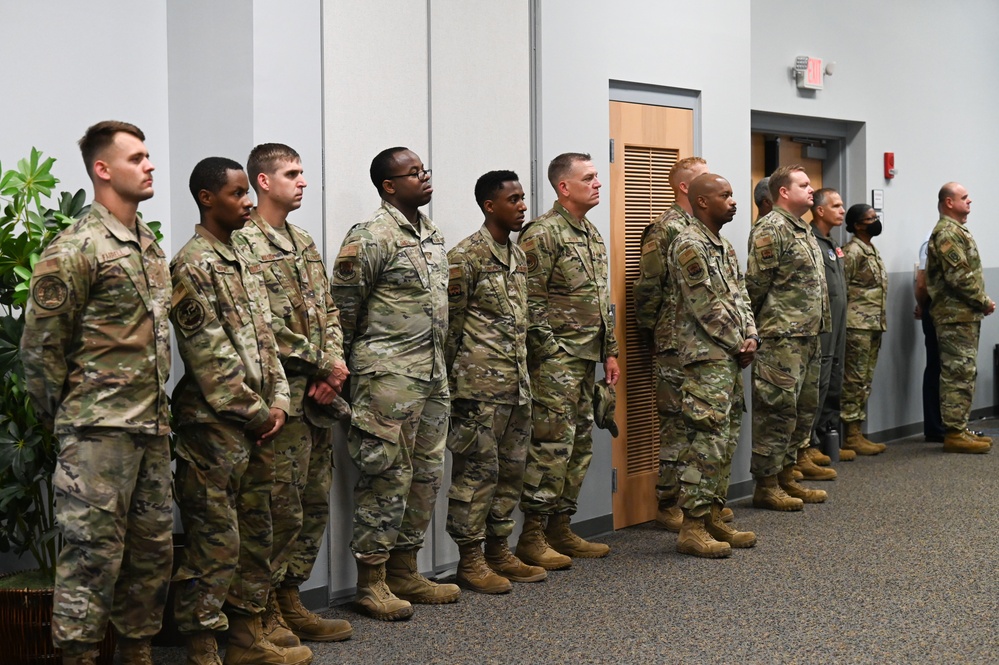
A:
[234,302]
[119,285]
[574,266]
[492,289]
[802,256]
[281,279]
[413,266]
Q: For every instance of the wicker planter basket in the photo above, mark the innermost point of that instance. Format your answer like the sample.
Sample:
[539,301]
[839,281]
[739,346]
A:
[26,629]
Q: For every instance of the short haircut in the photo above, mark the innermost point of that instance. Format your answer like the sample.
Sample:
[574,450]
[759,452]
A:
[782,178]
[490,183]
[820,196]
[561,165]
[946,192]
[99,136]
[855,214]
[211,174]
[761,192]
[265,159]
[682,169]
[381,166]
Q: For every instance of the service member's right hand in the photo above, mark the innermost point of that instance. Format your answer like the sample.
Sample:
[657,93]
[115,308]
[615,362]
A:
[275,422]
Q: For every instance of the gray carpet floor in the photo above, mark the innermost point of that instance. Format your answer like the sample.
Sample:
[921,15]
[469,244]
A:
[899,566]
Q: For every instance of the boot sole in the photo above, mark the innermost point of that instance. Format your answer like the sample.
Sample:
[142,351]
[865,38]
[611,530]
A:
[546,566]
[398,615]
[967,452]
[585,555]
[783,509]
[704,555]
[541,577]
[807,477]
[424,600]
[811,500]
[335,637]
[495,591]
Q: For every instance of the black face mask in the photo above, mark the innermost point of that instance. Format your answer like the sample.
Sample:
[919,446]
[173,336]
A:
[875,228]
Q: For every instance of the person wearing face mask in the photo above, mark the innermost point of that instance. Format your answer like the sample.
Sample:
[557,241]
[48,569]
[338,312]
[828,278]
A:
[866,298]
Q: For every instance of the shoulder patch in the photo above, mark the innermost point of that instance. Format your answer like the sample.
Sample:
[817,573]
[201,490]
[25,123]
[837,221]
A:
[455,291]
[763,238]
[650,246]
[532,262]
[529,244]
[190,314]
[454,272]
[50,292]
[348,250]
[693,267]
[46,266]
[346,271]
[686,256]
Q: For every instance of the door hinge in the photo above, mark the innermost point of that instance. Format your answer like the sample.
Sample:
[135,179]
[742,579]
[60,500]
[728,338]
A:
[612,151]
[614,480]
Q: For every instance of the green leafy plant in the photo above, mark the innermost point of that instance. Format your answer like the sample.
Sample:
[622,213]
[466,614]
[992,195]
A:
[27,447]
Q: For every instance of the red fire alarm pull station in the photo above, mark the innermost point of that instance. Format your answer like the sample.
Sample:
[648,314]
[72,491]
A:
[890,171]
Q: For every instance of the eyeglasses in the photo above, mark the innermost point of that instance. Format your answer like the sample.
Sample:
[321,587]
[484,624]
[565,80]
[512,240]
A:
[422,174]
[871,220]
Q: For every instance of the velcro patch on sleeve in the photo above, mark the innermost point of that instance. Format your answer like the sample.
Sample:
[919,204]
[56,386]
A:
[348,250]
[529,244]
[764,249]
[346,271]
[454,272]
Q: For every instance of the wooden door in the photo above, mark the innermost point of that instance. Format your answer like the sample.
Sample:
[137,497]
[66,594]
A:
[647,141]
[789,153]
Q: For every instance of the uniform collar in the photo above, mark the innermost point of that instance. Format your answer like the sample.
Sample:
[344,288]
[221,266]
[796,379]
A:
[272,235]
[222,249]
[119,230]
[426,228]
[797,221]
[715,240]
[578,224]
[499,252]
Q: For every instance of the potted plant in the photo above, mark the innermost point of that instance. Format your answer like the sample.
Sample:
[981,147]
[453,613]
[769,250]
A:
[28,447]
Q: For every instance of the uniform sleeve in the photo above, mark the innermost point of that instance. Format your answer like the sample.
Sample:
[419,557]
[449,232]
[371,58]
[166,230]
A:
[689,263]
[460,283]
[647,290]
[355,272]
[208,353]
[59,290]
[851,263]
[958,274]
[538,247]
[764,259]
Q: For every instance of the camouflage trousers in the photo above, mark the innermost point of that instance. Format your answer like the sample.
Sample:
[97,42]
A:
[223,486]
[672,426]
[713,402]
[833,345]
[785,397]
[488,444]
[303,474]
[114,505]
[397,436]
[862,347]
[562,439]
[958,370]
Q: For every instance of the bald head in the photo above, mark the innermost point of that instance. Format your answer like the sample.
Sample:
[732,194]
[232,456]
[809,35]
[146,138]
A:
[711,199]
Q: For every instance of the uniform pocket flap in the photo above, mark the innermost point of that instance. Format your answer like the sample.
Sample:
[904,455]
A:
[375,424]
[462,493]
[777,377]
[94,493]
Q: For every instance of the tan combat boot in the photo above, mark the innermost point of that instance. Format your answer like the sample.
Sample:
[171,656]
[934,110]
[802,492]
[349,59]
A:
[248,646]
[276,629]
[407,583]
[796,491]
[964,442]
[726,514]
[375,597]
[798,475]
[769,495]
[669,518]
[696,541]
[858,443]
[720,531]
[847,455]
[533,548]
[817,456]
[135,652]
[308,625]
[980,436]
[503,562]
[474,574]
[810,470]
[563,540]
[87,657]
[202,649]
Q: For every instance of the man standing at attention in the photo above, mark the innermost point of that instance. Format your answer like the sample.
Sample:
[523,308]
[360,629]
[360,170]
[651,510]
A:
[716,339]
[96,355]
[958,303]
[486,356]
[391,281]
[310,343]
[761,195]
[655,298]
[828,212]
[786,284]
[570,331]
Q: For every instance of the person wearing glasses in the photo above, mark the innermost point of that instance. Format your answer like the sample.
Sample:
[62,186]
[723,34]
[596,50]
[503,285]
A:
[390,281]
[958,303]
[866,299]
[570,330]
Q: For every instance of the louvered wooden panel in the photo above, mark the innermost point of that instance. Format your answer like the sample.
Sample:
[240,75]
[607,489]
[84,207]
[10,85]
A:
[647,195]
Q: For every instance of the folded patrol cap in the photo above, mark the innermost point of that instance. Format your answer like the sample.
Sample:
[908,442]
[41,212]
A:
[327,415]
[604,403]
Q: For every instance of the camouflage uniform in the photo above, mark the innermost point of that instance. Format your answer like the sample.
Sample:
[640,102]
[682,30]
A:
[656,315]
[486,355]
[867,296]
[833,340]
[233,377]
[570,331]
[714,320]
[958,304]
[310,343]
[390,280]
[97,285]
[785,281]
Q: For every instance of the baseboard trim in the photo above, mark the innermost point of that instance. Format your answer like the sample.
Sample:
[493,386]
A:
[741,490]
[314,599]
[596,526]
[904,431]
